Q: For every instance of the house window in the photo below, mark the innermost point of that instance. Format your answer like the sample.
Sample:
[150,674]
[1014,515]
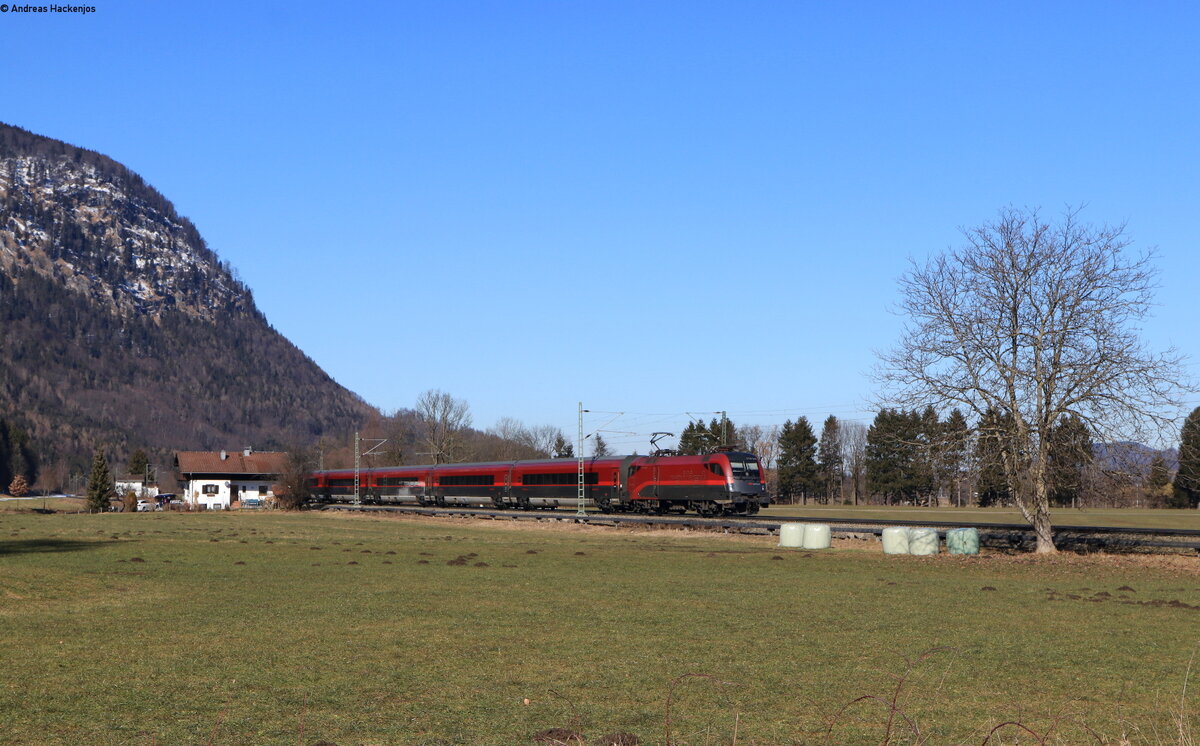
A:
[262,490]
[210,489]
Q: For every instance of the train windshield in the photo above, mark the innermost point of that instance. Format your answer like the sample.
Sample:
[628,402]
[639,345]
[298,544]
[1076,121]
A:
[745,469]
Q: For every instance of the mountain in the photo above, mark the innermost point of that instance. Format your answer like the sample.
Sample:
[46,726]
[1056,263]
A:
[122,329]
[1133,458]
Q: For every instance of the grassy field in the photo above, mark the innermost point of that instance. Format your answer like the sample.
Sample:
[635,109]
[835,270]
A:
[1124,517]
[1131,517]
[29,504]
[275,628]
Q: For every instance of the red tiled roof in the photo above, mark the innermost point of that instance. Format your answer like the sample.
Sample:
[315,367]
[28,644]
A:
[210,462]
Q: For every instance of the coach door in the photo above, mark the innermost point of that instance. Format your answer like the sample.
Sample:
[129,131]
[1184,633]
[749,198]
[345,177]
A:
[432,493]
[623,475]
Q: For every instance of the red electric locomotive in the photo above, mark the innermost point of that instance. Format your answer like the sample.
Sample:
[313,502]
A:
[711,485]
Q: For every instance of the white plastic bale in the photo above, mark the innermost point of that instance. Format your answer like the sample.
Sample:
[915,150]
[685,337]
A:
[962,541]
[895,540]
[817,536]
[922,541]
[791,535]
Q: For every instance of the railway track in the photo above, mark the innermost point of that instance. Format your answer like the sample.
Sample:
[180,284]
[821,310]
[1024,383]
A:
[995,535]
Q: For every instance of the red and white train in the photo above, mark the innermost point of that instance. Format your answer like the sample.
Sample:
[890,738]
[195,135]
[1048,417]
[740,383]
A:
[726,482]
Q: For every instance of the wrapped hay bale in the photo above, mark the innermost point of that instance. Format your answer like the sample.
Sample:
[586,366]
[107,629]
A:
[922,541]
[791,535]
[817,536]
[962,541]
[895,540]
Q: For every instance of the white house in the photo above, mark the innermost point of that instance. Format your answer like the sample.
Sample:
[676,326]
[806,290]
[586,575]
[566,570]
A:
[138,486]
[217,480]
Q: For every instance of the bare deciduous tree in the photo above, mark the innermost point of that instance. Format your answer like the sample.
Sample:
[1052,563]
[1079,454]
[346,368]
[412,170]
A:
[542,439]
[518,440]
[444,420]
[292,490]
[1035,321]
[512,434]
[762,442]
[854,455]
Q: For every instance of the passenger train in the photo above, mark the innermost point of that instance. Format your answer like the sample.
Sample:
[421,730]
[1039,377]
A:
[725,482]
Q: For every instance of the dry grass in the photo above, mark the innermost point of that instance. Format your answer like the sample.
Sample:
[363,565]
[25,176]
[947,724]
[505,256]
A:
[270,628]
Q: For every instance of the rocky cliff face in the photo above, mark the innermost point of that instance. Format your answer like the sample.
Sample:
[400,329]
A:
[121,328]
[99,229]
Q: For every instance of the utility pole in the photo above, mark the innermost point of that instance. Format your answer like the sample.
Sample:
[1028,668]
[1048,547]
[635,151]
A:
[579,511]
[358,460]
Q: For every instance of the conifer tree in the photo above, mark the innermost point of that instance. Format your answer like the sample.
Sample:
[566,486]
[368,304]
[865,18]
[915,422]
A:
[563,449]
[6,472]
[724,434]
[929,473]
[138,464]
[899,460]
[16,454]
[600,446]
[797,462]
[956,439]
[992,484]
[1069,456]
[693,440]
[698,438]
[829,458]
[1159,480]
[100,485]
[1187,480]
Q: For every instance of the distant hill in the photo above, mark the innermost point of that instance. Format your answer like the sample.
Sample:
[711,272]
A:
[1133,458]
[122,329]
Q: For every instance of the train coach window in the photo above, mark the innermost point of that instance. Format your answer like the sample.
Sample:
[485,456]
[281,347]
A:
[716,469]
[477,480]
[563,478]
[396,481]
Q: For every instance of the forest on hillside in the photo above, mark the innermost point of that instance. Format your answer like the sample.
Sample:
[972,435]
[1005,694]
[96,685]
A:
[123,330]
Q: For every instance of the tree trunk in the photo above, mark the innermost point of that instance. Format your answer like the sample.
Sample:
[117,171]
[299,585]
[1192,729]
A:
[1043,531]
[1037,515]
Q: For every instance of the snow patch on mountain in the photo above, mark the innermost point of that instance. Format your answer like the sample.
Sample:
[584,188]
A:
[98,234]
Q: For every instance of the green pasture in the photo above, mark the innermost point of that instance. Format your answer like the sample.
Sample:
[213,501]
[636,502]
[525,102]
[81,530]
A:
[1123,517]
[30,504]
[270,628]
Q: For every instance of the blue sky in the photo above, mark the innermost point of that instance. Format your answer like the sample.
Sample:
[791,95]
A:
[653,208]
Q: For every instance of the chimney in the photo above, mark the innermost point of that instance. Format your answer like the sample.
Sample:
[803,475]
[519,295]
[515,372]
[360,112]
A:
[247,451]
[224,455]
